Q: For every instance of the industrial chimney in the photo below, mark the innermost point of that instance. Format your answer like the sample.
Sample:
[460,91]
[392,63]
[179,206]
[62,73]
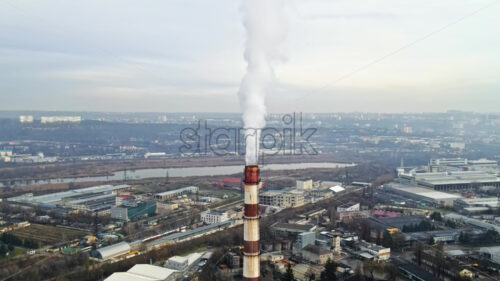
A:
[251,237]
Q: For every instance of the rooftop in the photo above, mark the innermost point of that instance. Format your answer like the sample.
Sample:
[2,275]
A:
[294,226]
[316,250]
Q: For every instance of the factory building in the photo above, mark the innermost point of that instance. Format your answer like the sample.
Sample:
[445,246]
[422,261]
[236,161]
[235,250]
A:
[453,180]
[487,202]
[317,255]
[472,222]
[292,228]
[176,192]
[491,253]
[375,251]
[426,195]
[130,213]
[210,217]
[112,251]
[97,198]
[304,184]
[304,239]
[145,272]
[183,263]
[282,198]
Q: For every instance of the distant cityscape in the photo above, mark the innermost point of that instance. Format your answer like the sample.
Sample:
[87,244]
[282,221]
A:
[414,196]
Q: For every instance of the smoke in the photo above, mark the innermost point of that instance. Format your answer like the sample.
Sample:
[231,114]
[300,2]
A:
[265,25]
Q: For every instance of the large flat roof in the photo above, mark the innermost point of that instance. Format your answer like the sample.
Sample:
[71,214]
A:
[425,192]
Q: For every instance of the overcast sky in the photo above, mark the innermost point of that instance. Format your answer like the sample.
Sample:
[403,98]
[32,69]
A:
[187,55]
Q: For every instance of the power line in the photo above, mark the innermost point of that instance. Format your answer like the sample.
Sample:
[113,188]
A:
[398,50]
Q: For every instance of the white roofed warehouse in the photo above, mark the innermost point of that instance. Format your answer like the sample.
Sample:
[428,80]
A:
[113,251]
[145,272]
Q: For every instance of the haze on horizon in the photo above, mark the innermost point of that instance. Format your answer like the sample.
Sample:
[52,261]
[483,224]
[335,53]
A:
[187,56]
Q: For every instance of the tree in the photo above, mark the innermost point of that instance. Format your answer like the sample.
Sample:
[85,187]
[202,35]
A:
[439,259]
[329,273]
[386,239]
[398,241]
[370,267]
[288,276]
[3,250]
[419,249]
[436,216]
[391,271]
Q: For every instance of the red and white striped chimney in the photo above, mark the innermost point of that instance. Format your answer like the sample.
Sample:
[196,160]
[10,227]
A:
[251,237]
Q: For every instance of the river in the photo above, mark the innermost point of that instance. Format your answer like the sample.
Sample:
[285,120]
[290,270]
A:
[178,172]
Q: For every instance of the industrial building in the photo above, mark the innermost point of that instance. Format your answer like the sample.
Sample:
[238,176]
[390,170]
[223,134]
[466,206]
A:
[130,213]
[382,223]
[112,251]
[375,251]
[453,180]
[491,253]
[437,165]
[145,272]
[176,192]
[97,198]
[183,263]
[304,184]
[317,255]
[472,222]
[288,198]
[292,228]
[304,239]
[210,217]
[487,202]
[423,194]
[189,234]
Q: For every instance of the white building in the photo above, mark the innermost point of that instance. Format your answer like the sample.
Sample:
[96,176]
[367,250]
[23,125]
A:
[491,253]
[210,217]
[5,155]
[183,263]
[26,118]
[176,192]
[112,251]
[305,184]
[348,207]
[282,198]
[379,252]
[61,119]
[145,272]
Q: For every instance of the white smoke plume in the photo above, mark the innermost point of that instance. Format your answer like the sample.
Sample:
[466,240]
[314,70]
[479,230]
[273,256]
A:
[265,25]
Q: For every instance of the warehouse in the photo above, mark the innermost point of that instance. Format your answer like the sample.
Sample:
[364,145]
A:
[113,251]
[176,192]
[145,272]
[491,253]
[422,194]
[129,213]
[68,198]
[459,180]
